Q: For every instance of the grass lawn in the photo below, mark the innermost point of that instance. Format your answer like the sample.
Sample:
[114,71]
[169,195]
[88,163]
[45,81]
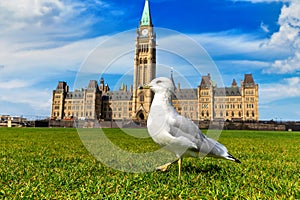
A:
[49,163]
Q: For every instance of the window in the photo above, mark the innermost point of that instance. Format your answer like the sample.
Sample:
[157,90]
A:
[141,97]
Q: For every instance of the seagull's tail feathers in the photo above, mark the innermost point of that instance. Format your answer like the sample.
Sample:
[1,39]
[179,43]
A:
[230,157]
[218,150]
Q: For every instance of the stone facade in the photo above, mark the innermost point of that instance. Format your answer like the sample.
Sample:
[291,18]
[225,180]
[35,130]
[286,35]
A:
[80,104]
[206,102]
[229,103]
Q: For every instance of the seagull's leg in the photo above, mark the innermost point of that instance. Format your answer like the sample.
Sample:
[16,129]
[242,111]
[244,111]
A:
[179,166]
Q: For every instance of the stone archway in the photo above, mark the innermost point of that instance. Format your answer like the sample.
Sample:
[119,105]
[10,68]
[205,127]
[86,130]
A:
[140,116]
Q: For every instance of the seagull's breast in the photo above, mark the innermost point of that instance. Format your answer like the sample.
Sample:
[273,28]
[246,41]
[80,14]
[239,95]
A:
[158,124]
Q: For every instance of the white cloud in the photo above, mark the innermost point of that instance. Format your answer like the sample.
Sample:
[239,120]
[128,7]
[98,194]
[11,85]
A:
[42,24]
[264,27]
[23,71]
[288,88]
[288,37]
[289,65]
[14,84]
[253,64]
[40,63]
[31,102]
[225,43]
[38,17]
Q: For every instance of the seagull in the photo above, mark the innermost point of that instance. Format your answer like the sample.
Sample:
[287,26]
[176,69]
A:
[176,133]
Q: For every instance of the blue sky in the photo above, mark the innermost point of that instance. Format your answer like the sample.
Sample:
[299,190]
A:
[43,42]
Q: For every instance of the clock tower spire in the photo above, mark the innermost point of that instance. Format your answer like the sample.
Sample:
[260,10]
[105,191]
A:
[146,17]
[144,65]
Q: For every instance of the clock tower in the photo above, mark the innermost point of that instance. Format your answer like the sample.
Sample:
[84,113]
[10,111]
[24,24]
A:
[144,66]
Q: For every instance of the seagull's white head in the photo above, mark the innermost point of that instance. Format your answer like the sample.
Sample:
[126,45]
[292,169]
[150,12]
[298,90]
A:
[162,85]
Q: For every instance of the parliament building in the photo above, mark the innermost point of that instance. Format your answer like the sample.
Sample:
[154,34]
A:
[206,102]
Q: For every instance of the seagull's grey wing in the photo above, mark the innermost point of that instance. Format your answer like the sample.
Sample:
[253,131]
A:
[187,129]
[181,126]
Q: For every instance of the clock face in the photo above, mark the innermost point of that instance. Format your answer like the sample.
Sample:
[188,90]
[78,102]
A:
[145,32]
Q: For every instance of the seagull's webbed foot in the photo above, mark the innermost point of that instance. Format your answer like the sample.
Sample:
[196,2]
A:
[164,167]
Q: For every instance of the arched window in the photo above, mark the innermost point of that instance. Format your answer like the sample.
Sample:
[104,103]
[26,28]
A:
[142,98]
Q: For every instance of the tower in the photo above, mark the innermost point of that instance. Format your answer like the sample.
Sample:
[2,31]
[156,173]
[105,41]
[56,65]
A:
[249,92]
[144,65]
[58,100]
[206,99]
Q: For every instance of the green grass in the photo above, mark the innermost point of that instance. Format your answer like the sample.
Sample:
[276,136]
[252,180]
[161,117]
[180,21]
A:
[54,164]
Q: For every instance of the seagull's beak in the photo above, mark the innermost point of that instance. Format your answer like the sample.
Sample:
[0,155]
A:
[147,86]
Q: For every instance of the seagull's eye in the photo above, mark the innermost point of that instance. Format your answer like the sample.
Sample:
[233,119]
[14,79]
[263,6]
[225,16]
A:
[157,82]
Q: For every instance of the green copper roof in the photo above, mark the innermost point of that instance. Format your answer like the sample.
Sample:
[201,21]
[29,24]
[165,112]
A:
[146,18]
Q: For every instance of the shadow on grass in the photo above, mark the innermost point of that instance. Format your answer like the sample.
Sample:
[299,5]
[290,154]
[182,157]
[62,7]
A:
[204,168]
[192,168]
